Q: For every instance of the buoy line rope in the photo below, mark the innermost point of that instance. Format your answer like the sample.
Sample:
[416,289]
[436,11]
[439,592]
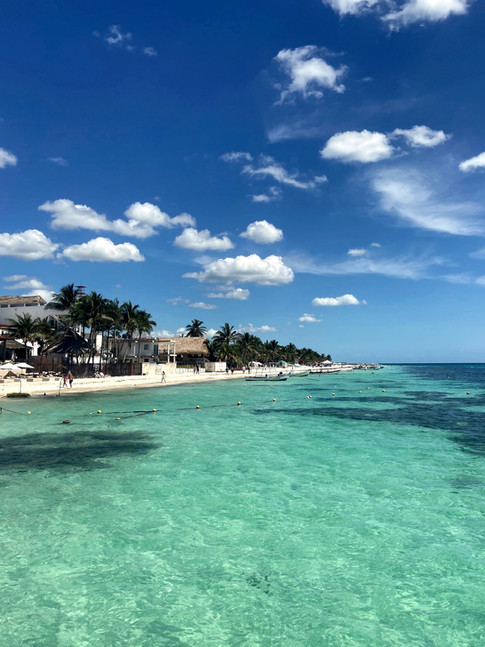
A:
[19,413]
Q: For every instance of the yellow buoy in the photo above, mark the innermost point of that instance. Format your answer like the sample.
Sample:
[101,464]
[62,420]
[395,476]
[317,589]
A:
[99,411]
[238,404]
[28,412]
[383,390]
[333,395]
[118,418]
[153,410]
[274,399]
[197,407]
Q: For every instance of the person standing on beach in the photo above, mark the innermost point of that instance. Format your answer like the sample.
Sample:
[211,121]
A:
[64,380]
[164,377]
[70,377]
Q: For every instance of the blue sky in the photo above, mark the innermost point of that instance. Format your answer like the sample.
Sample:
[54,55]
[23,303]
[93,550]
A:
[308,171]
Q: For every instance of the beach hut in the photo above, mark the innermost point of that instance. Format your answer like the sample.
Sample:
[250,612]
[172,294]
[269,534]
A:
[183,350]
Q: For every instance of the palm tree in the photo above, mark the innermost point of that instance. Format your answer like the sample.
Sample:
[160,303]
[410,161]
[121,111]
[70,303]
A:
[24,328]
[91,311]
[226,335]
[43,333]
[195,329]
[226,352]
[113,323]
[129,313]
[290,353]
[64,299]
[273,349]
[144,324]
[248,347]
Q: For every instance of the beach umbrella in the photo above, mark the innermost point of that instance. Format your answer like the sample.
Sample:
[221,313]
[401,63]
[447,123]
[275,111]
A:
[8,366]
[24,365]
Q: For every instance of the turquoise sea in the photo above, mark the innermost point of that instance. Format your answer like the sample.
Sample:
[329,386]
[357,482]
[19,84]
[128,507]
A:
[353,519]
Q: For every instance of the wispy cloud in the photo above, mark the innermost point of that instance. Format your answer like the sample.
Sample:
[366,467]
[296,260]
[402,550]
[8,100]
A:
[267,167]
[60,161]
[116,38]
[402,267]
[28,285]
[411,198]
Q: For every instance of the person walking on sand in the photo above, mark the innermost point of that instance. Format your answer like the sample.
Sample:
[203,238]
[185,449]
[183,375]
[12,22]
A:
[64,381]
[70,377]
[164,377]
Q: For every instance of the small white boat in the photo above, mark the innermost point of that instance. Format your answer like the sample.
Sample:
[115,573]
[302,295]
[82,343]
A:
[267,378]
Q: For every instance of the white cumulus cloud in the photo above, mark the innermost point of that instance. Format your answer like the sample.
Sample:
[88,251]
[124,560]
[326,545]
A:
[7,158]
[262,231]
[246,269]
[102,250]
[353,146]
[425,10]
[226,292]
[202,240]
[344,300]
[309,74]
[29,245]
[254,330]
[308,318]
[357,252]
[422,136]
[273,195]
[352,7]
[203,306]
[473,163]
[404,12]
[142,219]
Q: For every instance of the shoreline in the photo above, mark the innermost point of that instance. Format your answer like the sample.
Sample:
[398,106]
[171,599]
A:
[39,388]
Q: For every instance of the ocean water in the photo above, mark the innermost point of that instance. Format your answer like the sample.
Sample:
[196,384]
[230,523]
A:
[354,517]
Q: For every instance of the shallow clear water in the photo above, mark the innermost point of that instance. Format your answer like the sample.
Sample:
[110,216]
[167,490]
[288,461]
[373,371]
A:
[351,519]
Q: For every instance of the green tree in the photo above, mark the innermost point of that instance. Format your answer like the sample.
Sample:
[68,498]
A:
[144,324]
[91,312]
[64,299]
[248,348]
[226,335]
[129,314]
[195,328]
[24,327]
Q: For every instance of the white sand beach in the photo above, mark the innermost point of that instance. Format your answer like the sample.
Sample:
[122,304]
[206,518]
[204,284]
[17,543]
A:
[54,385]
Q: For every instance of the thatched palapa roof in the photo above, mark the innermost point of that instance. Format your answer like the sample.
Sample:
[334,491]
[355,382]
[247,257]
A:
[13,301]
[184,345]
